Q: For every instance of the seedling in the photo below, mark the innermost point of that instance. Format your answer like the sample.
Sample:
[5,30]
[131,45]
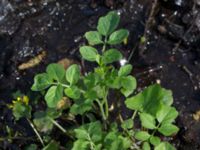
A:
[87,95]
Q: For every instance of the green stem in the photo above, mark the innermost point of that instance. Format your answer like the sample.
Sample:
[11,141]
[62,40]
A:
[104,45]
[92,145]
[57,125]
[125,130]
[106,104]
[101,109]
[66,86]
[155,129]
[36,132]
[104,48]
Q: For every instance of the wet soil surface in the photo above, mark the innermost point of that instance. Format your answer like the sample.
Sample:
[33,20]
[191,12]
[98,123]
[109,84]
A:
[170,55]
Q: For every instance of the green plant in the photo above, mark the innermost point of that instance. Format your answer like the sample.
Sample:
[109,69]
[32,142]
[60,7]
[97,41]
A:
[87,95]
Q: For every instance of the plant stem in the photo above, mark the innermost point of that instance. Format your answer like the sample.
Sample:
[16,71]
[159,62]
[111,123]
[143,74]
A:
[57,125]
[36,132]
[134,115]
[101,109]
[64,85]
[125,130]
[106,105]
[102,113]
[104,45]
[92,145]
[155,129]
[67,86]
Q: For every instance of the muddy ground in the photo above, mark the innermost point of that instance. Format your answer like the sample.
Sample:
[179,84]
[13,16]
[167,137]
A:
[170,55]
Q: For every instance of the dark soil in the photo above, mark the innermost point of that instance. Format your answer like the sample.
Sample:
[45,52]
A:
[171,54]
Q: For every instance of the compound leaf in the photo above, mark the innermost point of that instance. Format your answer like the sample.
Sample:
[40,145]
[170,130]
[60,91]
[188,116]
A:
[150,100]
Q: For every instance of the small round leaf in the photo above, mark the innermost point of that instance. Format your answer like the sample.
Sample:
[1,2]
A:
[73,74]
[111,55]
[88,53]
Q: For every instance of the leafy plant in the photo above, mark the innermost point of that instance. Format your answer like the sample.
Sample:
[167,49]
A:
[69,93]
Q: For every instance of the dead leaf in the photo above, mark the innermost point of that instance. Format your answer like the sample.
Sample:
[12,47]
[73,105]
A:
[33,61]
[65,62]
[196,116]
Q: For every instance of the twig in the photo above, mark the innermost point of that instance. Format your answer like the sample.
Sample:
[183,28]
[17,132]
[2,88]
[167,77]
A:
[147,26]
[134,114]
[150,70]
[57,125]
[177,45]
[36,132]
[190,74]
[132,52]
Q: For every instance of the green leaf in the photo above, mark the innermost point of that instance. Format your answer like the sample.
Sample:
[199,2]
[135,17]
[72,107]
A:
[126,92]
[150,100]
[142,135]
[73,92]
[125,70]
[168,129]
[111,55]
[91,131]
[167,97]
[81,134]
[114,82]
[53,113]
[81,145]
[165,146]
[53,95]
[114,141]
[118,36]
[166,114]
[108,23]
[42,122]
[81,106]
[154,140]
[147,120]
[31,147]
[55,71]
[91,94]
[100,91]
[88,53]
[73,74]
[129,83]
[93,37]
[127,124]
[41,82]
[21,110]
[53,145]
[91,79]
[112,79]
[146,146]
